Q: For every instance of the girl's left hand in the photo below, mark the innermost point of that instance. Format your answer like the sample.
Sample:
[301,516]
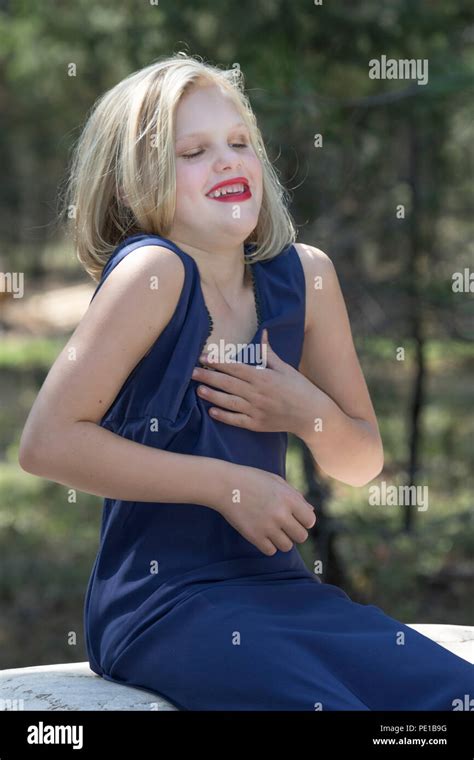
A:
[267,399]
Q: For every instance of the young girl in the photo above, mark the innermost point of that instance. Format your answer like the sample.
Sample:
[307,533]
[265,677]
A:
[198,591]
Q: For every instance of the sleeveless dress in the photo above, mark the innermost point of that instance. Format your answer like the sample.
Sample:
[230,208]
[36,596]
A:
[181,604]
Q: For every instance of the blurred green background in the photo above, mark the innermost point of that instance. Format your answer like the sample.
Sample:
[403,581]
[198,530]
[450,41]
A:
[385,144]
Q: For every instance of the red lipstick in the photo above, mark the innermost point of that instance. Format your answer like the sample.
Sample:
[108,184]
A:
[231,197]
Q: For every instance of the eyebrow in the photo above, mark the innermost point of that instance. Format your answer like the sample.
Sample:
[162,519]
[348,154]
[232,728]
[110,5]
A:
[204,134]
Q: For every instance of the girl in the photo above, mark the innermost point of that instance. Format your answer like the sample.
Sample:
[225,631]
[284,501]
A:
[198,591]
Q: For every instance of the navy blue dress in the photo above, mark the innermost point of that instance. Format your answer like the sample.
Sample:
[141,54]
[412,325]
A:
[181,604]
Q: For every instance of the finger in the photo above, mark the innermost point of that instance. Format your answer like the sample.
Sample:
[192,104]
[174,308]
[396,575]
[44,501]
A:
[267,547]
[221,380]
[271,359]
[295,530]
[222,385]
[234,368]
[232,418]
[304,513]
[224,400]
[281,540]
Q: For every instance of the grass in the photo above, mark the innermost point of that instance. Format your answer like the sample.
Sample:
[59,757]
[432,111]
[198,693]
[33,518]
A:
[30,353]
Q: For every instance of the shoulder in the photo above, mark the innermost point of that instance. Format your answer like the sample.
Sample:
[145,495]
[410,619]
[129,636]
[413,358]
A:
[144,272]
[144,286]
[146,260]
[320,275]
[314,260]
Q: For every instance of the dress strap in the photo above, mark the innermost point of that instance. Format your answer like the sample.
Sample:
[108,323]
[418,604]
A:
[173,355]
[282,291]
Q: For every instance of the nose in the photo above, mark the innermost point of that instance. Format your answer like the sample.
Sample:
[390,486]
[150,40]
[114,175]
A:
[227,158]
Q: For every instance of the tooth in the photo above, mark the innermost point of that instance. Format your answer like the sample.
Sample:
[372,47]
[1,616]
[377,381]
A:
[238,188]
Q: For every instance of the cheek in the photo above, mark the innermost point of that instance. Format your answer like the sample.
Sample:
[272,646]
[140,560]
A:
[190,181]
[255,167]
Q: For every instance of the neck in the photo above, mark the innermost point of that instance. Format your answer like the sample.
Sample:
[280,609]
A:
[225,270]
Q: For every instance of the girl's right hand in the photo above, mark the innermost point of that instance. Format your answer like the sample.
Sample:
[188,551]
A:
[268,512]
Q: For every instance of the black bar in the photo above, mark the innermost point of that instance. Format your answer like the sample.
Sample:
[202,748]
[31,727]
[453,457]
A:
[153,733]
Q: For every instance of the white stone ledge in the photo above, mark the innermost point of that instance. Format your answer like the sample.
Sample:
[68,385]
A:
[74,686]
[71,686]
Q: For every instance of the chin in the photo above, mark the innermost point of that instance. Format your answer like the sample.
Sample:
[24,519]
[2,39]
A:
[237,232]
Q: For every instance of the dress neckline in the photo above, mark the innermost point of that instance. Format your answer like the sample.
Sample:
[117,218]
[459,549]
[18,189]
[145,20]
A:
[254,272]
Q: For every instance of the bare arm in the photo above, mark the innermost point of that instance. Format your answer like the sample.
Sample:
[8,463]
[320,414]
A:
[62,440]
[347,445]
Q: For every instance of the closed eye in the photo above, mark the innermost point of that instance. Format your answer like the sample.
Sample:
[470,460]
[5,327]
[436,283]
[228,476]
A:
[198,153]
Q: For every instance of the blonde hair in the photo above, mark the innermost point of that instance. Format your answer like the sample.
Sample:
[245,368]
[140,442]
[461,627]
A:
[113,160]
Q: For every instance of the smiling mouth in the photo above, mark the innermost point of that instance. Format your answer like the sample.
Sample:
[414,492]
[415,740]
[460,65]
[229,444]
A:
[228,197]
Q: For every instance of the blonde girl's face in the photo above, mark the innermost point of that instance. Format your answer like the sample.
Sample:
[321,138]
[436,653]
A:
[213,145]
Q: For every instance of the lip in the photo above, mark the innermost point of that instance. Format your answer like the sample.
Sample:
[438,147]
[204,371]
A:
[233,181]
[234,198]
